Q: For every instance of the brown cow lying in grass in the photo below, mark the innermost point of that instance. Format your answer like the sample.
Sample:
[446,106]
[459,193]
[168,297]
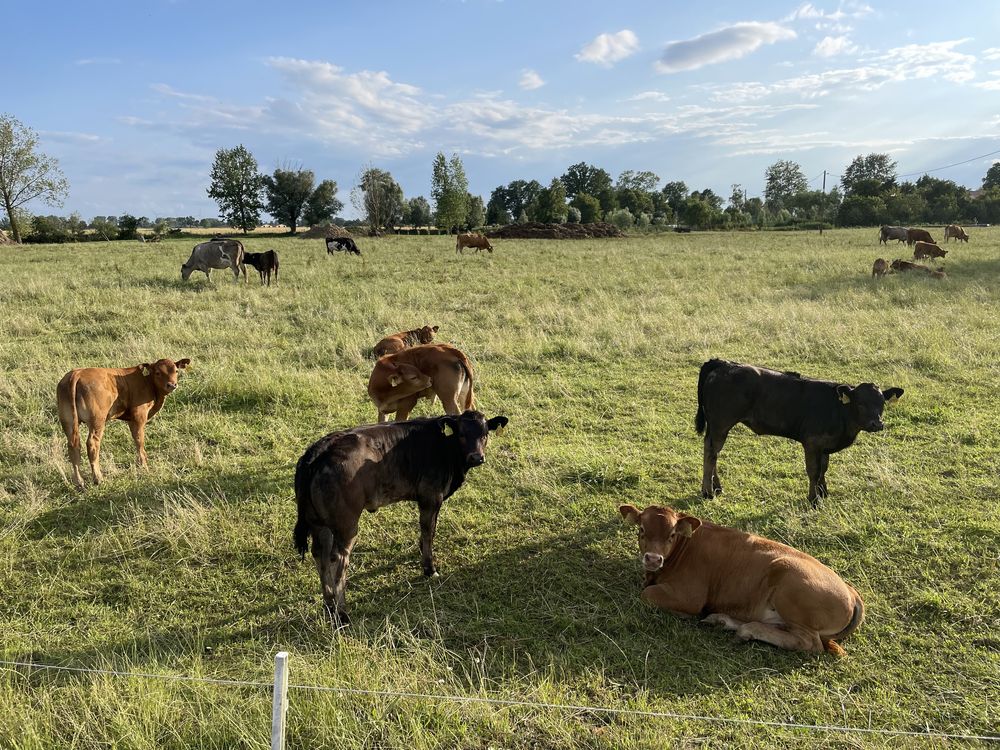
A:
[93,395]
[399,380]
[762,589]
[478,241]
[905,265]
[399,341]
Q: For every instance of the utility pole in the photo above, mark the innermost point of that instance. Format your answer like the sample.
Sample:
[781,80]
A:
[824,193]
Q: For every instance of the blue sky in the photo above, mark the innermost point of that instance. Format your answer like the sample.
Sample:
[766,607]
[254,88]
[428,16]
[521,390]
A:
[134,98]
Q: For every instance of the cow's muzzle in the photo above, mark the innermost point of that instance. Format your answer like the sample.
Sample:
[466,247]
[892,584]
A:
[170,387]
[475,459]
[876,426]
[652,562]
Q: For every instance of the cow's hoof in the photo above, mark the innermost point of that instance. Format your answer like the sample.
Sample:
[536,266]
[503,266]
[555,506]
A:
[707,495]
[431,573]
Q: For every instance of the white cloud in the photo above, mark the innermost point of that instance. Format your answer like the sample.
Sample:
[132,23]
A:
[98,61]
[729,43]
[649,96]
[530,80]
[70,136]
[830,46]
[992,53]
[607,49]
[808,11]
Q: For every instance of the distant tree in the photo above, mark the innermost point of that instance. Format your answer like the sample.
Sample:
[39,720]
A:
[418,212]
[573,215]
[644,182]
[450,191]
[26,174]
[608,198]
[322,204]
[699,212]
[104,228]
[236,186]
[636,201]
[986,207]
[814,205]
[708,195]
[378,198]
[871,175]
[551,203]
[475,213]
[736,198]
[496,209]
[127,225]
[521,195]
[160,228]
[782,180]
[588,206]
[622,218]
[992,178]
[77,226]
[584,178]
[862,211]
[522,218]
[675,193]
[287,192]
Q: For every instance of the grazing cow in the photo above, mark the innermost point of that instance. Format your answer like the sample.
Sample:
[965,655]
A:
[336,244]
[265,263]
[880,267]
[953,230]
[887,233]
[399,341]
[399,380]
[927,250]
[762,589]
[824,416]
[918,235]
[221,253]
[93,395]
[478,241]
[346,472]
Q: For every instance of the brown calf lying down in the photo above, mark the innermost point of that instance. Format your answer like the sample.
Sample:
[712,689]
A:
[93,395]
[762,589]
[478,241]
[904,265]
[880,267]
[399,380]
[927,250]
[399,341]
[347,472]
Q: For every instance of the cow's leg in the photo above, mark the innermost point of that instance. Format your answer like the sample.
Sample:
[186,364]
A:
[717,618]
[450,403]
[72,441]
[814,459]
[208,275]
[381,416]
[332,556]
[714,441]
[429,509]
[94,449]
[791,637]
[824,463]
[137,425]
[665,597]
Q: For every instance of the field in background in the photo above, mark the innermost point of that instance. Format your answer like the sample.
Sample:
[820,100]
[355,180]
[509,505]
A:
[592,349]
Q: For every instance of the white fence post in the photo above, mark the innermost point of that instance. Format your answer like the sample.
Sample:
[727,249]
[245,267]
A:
[279,703]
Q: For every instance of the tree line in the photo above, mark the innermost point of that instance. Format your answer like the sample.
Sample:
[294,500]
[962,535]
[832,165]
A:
[869,193]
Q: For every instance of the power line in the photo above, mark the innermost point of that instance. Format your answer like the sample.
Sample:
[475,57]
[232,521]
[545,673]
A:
[949,166]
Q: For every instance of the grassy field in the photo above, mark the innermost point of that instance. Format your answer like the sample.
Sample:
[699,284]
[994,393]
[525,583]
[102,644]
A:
[592,349]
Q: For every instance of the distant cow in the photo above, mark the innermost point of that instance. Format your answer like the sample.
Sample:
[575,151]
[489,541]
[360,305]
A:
[953,230]
[762,589]
[478,241]
[399,341]
[266,263]
[824,416]
[337,244]
[347,472]
[399,380]
[918,235]
[905,265]
[880,267]
[927,250]
[93,395]
[887,233]
[216,254]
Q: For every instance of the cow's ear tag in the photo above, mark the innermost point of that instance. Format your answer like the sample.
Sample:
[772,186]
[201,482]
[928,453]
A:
[844,398]
[684,529]
[448,430]
[395,380]
[892,399]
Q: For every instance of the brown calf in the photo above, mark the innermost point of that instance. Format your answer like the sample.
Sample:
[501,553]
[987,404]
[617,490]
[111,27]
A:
[914,235]
[478,241]
[762,589]
[399,341]
[927,250]
[93,395]
[880,267]
[399,380]
[953,230]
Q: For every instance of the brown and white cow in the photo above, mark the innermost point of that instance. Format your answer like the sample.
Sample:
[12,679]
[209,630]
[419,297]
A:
[762,589]
[921,235]
[94,395]
[478,241]
[953,230]
[399,380]
[399,341]
[216,253]
[927,250]
[880,267]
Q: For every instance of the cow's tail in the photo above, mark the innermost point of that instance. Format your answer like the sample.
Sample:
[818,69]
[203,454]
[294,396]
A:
[830,642]
[300,535]
[699,416]
[467,366]
[74,433]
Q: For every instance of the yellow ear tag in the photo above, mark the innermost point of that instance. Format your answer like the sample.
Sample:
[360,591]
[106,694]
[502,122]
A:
[500,430]
[395,380]
[844,398]
[448,430]
[685,530]
[892,399]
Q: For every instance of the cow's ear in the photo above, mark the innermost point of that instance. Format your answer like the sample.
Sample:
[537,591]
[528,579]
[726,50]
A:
[892,395]
[844,393]
[630,514]
[498,424]
[144,367]
[687,525]
[448,425]
[434,328]
[182,363]
[395,380]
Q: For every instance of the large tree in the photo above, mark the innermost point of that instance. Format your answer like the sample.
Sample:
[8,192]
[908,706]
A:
[287,192]
[378,198]
[450,190]
[496,209]
[521,195]
[585,178]
[588,206]
[675,193]
[871,175]
[992,178]
[782,180]
[237,186]
[25,173]
[475,213]
[323,204]
[418,212]
[550,205]
[644,182]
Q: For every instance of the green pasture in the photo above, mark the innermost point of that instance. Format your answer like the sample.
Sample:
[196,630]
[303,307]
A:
[592,350]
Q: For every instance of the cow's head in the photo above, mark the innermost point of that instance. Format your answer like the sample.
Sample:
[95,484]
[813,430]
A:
[472,431]
[406,375]
[488,246]
[866,403]
[660,529]
[426,334]
[164,373]
[186,271]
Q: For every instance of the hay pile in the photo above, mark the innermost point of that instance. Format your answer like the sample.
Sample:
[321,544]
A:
[323,231]
[536,231]
[4,239]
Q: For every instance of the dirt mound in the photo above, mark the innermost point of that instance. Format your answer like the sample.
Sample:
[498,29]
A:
[4,239]
[537,231]
[324,231]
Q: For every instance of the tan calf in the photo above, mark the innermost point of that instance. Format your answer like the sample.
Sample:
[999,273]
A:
[880,267]
[94,395]
[953,230]
[927,250]
[478,241]
[399,341]
[399,380]
[762,589]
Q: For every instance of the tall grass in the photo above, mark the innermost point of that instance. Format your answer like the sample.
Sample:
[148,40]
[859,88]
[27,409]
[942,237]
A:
[592,349]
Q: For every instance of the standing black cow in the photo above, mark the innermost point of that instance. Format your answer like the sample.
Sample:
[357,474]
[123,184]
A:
[347,472]
[336,244]
[266,263]
[825,417]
